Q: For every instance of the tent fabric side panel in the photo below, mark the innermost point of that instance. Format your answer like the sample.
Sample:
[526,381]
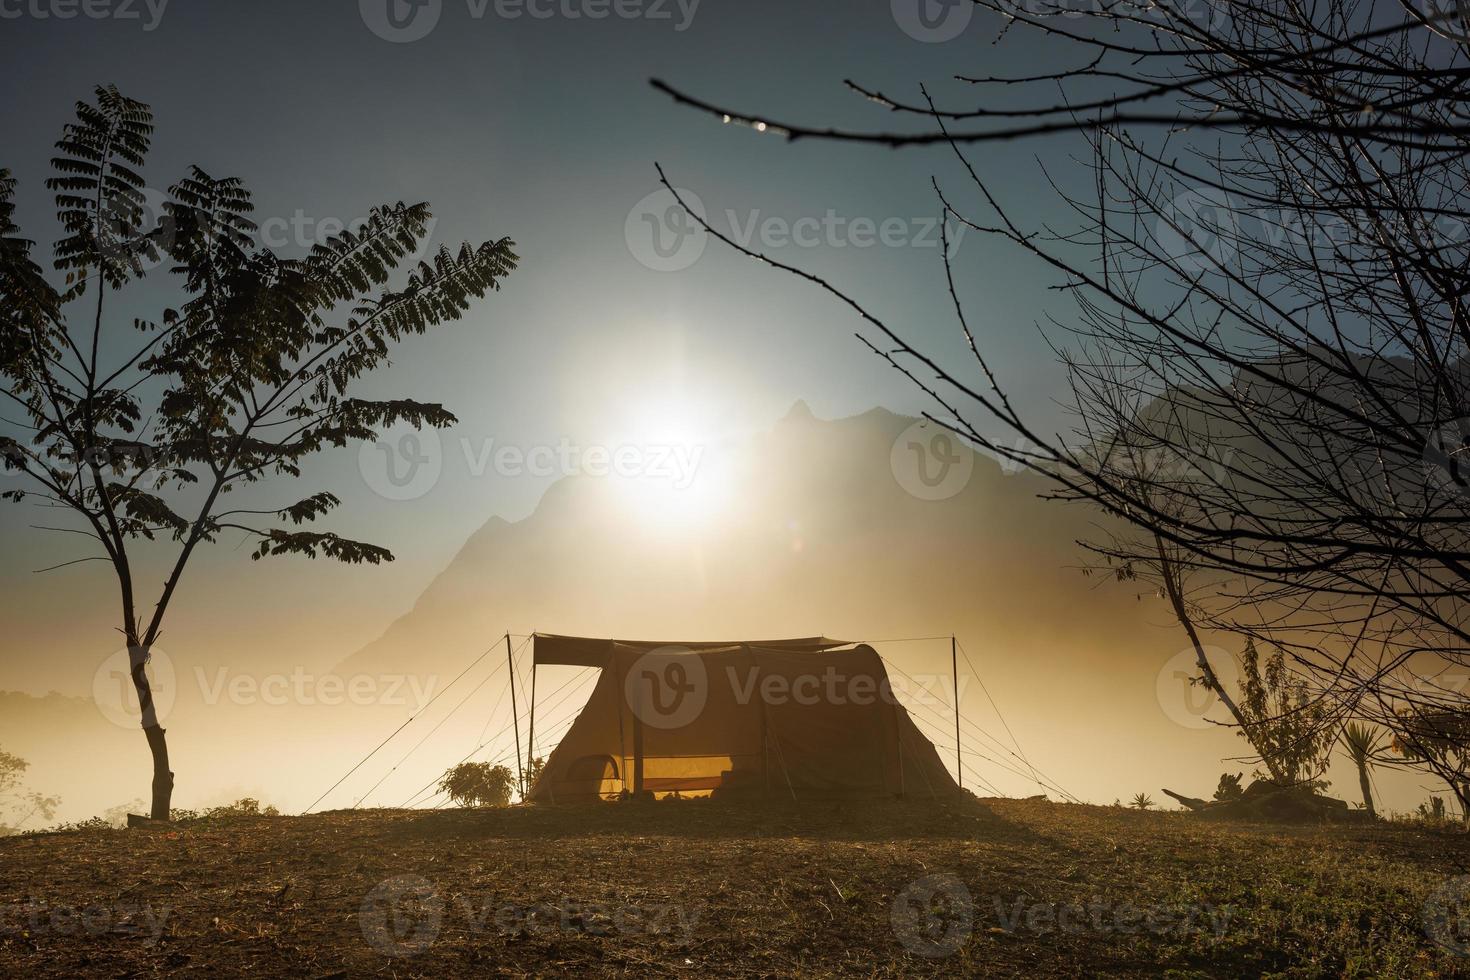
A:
[925,774]
[594,735]
[712,741]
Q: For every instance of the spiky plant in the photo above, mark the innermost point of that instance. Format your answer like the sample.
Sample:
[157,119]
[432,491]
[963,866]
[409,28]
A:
[1142,802]
[1363,743]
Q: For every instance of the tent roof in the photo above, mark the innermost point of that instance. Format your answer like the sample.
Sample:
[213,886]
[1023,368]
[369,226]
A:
[584,651]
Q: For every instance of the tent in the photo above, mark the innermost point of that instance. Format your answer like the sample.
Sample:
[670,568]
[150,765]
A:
[799,718]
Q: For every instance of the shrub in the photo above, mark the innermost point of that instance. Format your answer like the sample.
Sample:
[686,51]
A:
[478,784]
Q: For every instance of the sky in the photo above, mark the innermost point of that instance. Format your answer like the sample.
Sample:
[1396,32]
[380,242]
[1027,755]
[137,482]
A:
[544,129]
[535,120]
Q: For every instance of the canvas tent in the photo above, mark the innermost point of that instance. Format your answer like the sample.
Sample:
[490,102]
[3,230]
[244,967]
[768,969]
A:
[799,718]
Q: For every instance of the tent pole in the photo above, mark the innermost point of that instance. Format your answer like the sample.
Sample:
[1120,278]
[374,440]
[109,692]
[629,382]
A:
[638,749]
[954,667]
[514,716]
[531,733]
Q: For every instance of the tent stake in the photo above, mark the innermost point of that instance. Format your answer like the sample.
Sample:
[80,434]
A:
[954,667]
[514,716]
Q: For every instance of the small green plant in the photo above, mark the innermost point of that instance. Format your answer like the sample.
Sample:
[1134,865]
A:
[1229,788]
[478,784]
[1142,802]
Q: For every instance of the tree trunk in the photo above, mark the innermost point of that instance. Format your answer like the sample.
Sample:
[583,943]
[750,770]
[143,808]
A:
[163,778]
[1367,789]
[1168,572]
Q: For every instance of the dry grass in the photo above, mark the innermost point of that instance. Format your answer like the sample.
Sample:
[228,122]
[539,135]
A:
[704,889]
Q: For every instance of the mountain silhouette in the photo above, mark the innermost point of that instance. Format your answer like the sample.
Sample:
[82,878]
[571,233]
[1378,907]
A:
[826,529]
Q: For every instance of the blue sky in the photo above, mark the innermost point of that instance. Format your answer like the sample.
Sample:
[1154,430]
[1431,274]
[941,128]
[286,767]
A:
[544,129]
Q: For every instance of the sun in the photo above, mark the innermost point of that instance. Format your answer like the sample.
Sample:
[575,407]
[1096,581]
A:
[673,464]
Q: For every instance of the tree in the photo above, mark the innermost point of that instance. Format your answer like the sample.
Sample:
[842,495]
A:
[1441,742]
[1267,286]
[1292,732]
[478,784]
[1363,743]
[140,431]
[21,804]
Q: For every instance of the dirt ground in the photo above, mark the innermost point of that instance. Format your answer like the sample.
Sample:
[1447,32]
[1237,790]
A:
[993,887]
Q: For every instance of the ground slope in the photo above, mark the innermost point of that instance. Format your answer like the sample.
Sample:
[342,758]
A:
[992,888]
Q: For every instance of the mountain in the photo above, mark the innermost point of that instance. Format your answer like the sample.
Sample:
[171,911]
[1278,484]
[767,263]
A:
[874,527]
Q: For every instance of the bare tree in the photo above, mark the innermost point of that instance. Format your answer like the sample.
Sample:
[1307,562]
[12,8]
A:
[1267,287]
[139,430]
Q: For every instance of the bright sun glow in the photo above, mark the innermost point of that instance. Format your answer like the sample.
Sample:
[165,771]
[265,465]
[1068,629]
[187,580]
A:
[676,475]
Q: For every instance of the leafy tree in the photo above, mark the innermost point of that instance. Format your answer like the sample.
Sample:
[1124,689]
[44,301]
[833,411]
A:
[1290,730]
[20,803]
[1363,743]
[1440,740]
[478,784]
[140,430]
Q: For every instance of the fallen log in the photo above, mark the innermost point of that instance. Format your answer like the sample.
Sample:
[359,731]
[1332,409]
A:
[1189,801]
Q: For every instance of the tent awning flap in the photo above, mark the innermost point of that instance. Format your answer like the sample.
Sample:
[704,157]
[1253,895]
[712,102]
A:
[583,651]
